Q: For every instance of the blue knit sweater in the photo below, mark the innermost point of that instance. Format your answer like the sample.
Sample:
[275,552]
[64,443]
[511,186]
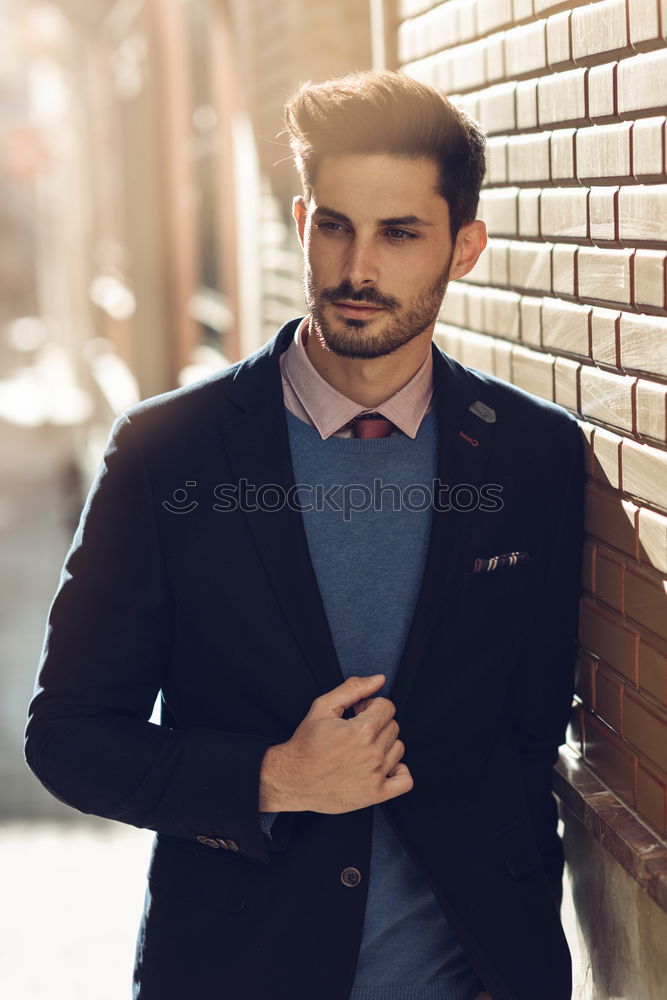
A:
[367,518]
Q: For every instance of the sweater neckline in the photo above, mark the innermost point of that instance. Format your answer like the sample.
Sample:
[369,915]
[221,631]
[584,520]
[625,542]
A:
[362,446]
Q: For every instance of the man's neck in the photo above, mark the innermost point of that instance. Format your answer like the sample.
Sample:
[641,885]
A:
[369,381]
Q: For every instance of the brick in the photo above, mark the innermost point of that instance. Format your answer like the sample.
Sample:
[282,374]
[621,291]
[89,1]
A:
[565,326]
[563,154]
[604,151]
[650,278]
[650,801]
[496,160]
[604,335]
[643,342]
[645,729]
[500,313]
[603,635]
[522,9]
[530,266]
[644,21]
[564,212]
[526,104]
[499,210]
[502,360]
[475,310]
[584,684]
[588,565]
[525,49]
[652,411]
[495,58]
[611,520]
[492,14]
[599,27]
[653,671]
[648,147]
[645,600]
[477,352]
[566,383]
[587,432]
[608,694]
[607,397]
[642,82]
[604,274]
[467,14]
[608,757]
[529,212]
[531,320]
[603,209]
[652,530]
[608,581]
[559,45]
[499,254]
[606,457]
[454,308]
[533,372]
[563,269]
[561,97]
[644,471]
[602,91]
[642,212]
[528,157]
[497,108]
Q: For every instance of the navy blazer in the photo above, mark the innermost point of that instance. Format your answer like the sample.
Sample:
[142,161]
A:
[171,587]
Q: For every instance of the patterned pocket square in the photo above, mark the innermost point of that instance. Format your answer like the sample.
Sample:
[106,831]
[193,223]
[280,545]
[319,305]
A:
[495,562]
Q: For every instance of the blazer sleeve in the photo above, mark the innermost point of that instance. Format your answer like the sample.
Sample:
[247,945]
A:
[542,684]
[107,647]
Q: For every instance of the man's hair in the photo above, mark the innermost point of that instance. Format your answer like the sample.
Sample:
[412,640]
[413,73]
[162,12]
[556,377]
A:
[388,112]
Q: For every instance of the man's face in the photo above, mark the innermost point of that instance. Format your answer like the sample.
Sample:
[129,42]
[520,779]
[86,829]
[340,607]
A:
[377,251]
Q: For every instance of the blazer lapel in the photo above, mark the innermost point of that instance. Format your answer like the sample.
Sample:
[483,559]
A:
[256,441]
[465,444]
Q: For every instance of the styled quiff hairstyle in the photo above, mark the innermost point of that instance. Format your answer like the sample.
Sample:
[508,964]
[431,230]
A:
[388,112]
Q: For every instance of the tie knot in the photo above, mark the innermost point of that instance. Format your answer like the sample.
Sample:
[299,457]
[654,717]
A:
[371,425]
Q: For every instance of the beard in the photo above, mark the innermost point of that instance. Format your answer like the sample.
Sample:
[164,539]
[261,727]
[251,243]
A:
[349,337]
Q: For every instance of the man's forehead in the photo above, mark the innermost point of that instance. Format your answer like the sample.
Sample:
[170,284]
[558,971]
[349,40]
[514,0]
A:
[386,184]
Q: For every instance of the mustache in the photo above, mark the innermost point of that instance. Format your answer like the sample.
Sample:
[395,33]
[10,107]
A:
[369,295]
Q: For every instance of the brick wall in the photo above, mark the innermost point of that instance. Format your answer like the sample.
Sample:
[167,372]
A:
[569,303]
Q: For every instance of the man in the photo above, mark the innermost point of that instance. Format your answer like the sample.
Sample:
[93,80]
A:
[345,533]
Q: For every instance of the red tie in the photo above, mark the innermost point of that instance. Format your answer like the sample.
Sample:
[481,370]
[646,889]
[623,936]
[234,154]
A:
[372,425]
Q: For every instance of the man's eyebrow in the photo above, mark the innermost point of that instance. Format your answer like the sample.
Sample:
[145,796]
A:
[395,220]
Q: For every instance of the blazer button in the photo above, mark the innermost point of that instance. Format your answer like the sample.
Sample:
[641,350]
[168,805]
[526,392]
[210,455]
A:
[222,843]
[232,845]
[350,877]
[208,841]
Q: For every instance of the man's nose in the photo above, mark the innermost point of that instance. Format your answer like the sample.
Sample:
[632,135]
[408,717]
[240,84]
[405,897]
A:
[361,265]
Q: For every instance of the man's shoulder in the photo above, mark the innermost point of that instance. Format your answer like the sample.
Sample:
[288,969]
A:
[510,407]
[216,397]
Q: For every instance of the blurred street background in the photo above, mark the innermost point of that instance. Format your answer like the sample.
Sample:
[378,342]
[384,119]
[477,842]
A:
[145,241]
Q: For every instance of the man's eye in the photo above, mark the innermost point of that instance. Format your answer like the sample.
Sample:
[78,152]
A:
[330,227]
[400,235]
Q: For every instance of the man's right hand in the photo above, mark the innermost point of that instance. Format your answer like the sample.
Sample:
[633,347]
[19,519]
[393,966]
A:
[335,765]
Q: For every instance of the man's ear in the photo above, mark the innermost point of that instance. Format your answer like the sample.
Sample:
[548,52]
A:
[300,214]
[470,243]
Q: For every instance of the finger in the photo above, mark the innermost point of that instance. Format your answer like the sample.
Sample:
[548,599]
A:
[354,689]
[388,735]
[379,712]
[393,756]
[398,783]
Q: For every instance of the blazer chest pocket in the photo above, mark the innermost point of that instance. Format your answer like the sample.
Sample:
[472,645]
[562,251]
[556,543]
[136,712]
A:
[199,875]
[518,850]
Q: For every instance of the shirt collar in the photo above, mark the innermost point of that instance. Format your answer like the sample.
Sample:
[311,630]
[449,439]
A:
[329,410]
